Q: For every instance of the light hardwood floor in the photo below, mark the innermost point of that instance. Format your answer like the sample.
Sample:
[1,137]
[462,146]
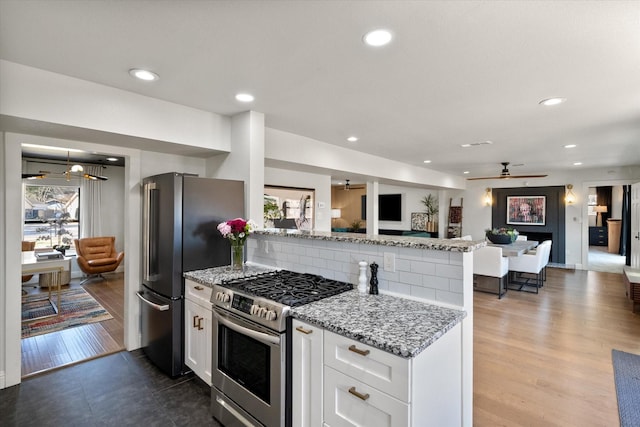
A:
[57,349]
[545,360]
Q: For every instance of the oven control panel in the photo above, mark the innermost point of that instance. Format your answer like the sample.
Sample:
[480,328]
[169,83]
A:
[259,309]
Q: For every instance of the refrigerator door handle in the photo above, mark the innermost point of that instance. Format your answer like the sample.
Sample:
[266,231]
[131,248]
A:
[149,252]
[153,305]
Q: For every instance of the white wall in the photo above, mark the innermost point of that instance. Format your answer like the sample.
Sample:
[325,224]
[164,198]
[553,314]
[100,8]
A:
[32,94]
[158,163]
[294,149]
[245,162]
[411,198]
[321,184]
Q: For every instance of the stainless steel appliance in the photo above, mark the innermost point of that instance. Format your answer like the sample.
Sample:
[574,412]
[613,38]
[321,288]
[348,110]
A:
[180,216]
[249,330]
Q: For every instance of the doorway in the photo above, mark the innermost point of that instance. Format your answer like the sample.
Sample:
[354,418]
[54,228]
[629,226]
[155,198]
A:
[90,322]
[604,213]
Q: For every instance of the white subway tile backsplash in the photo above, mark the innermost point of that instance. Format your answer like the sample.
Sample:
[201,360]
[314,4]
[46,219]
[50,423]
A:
[400,288]
[428,274]
[436,282]
[450,271]
[456,286]
[426,293]
[423,267]
[410,278]
[449,297]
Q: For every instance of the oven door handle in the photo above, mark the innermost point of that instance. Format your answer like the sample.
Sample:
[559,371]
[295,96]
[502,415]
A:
[259,336]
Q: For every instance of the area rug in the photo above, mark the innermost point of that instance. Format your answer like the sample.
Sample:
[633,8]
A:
[626,372]
[77,307]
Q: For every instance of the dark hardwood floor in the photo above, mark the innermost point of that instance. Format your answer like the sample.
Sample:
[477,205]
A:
[545,359]
[57,349]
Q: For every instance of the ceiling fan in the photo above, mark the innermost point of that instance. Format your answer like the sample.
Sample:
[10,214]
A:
[348,186]
[505,174]
[68,174]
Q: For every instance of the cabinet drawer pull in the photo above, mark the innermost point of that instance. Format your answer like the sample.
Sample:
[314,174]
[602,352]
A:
[353,391]
[200,323]
[303,330]
[357,350]
[198,288]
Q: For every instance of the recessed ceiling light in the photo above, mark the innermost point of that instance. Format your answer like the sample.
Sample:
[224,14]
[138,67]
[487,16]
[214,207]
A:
[352,139]
[377,38]
[145,75]
[427,161]
[245,97]
[577,163]
[570,146]
[474,144]
[466,172]
[112,159]
[552,101]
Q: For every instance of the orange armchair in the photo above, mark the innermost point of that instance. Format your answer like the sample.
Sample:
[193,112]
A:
[97,255]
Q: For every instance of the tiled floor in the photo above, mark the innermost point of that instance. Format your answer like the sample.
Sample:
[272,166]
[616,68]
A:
[117,390]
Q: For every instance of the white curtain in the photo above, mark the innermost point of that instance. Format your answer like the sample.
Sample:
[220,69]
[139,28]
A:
[90,211]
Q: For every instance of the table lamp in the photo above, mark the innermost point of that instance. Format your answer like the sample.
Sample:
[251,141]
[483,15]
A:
[599,210]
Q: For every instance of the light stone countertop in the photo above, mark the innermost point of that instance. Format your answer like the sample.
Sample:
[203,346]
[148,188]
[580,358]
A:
[400,326]
[379,239]
[213,276]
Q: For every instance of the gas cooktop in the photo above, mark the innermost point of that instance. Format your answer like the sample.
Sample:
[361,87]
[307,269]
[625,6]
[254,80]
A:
[267,298]
[288,287]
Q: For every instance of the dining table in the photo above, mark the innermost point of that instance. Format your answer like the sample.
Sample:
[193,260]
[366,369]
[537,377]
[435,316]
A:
[516,248]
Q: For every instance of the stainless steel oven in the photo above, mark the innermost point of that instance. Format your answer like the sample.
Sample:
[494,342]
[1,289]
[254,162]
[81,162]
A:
[249,337]
[247,373]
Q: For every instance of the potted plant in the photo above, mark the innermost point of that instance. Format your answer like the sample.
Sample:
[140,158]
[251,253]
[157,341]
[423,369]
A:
[355,225]
[502,235]
[431,208]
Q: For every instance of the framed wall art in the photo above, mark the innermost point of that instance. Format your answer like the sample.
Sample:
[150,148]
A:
[526,210]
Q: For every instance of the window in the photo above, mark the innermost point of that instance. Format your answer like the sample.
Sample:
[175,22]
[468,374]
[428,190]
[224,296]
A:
[51,215]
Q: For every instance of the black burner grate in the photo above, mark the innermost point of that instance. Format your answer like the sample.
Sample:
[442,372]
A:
[289,288]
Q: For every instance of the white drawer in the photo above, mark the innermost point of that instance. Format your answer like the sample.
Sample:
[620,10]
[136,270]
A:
[200,294]
[377,368]
[349,403]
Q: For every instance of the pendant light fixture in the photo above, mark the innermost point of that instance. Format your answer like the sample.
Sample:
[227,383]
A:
[347,187]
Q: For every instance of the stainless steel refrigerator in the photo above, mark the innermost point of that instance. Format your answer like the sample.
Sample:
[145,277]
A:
[180,217]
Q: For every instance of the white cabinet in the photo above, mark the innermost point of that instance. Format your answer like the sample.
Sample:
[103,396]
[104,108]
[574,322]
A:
[306,375]
[365,386]
[349,402]
[197,323]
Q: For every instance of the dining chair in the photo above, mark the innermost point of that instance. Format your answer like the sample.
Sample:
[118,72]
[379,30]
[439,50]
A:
[546,246]
[528,263]
[488,261]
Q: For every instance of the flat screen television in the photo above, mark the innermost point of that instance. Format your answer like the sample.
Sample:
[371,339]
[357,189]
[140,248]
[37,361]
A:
[389,207]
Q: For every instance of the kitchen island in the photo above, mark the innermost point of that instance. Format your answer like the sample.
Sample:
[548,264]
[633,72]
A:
[434,271]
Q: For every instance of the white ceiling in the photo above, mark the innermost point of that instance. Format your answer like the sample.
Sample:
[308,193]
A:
[455,73]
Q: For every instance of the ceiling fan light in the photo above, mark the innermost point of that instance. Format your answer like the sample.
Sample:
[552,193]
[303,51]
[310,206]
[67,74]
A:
[77,168]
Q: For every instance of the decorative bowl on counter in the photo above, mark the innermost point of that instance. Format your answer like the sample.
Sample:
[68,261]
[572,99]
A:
[501,236]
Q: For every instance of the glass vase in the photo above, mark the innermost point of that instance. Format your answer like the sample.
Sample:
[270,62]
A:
[237,257]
